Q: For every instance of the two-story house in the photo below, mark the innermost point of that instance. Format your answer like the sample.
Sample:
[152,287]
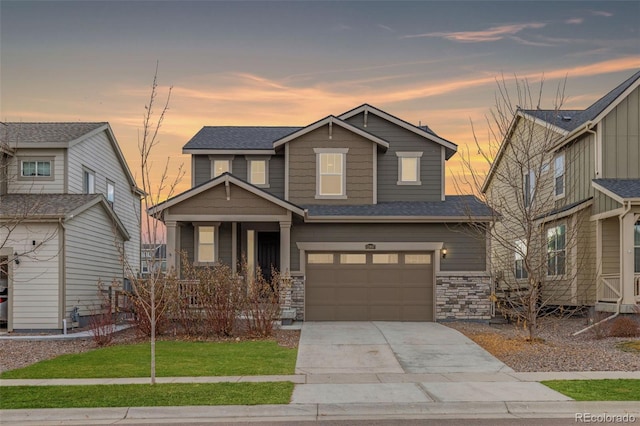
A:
[584,187]
[352,206]
[69,217]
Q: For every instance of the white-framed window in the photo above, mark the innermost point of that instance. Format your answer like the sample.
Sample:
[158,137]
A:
[558,174]
[258,172]
[636,243]
[111,192]
[320,258]
[39,168]
[409,168]
[520,247]
[330,176]
[528,187]
[220,167]
[88,181]
[556,250]
[206,243]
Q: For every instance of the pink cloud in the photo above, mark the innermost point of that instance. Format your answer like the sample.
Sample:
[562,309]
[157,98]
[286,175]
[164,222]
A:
[490,34]
[574,21]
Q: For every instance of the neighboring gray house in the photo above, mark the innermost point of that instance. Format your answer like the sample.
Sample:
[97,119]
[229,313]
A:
[352,206]
[591,177]
[69,213]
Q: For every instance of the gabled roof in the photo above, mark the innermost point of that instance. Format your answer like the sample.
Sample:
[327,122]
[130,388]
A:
[620,190]
[46,207]
[331,120]
[61,135]
[224,178]
[456,207]
[424,131]
[232,138]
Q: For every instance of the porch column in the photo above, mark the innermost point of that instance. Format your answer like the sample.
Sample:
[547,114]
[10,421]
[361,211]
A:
[172,260]
[285,246]
[234,247]
[626,259]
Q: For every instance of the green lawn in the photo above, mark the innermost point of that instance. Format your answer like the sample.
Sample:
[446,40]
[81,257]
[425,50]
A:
[173,359]
[15,397]
[598,390]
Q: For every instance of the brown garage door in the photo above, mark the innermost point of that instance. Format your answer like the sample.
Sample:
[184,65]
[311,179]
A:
[357,286]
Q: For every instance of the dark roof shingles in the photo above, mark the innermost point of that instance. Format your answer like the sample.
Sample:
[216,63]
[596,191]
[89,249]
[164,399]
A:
[624,188]
[232,137]
[16,132]
[42,205]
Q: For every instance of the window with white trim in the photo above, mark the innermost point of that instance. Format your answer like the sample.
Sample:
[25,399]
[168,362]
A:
[220,167]
[35,168]
[88,181]
[558,173]
[528,187]
[409,168]
[111,192]
[636,243]
[520,251]
[257,172]
[330,179]
[556,250]
[206,244]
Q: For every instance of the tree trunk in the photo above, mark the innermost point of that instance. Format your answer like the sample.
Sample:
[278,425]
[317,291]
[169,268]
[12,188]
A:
[153,334]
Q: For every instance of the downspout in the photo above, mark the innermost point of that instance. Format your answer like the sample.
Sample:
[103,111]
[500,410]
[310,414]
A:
[619,301]
[596,151]
[63,275]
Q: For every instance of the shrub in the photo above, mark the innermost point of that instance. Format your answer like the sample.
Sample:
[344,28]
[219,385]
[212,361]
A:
[102,321]
[263,302]
[624,327]
[164,295]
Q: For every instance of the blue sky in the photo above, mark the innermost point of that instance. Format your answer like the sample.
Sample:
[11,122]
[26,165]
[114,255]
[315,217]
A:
[291,63]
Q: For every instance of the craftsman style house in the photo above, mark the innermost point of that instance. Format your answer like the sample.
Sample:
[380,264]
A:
[351,206]
[69,215]
[585,191]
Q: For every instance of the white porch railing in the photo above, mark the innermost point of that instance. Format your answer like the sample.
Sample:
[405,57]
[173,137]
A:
[609,288]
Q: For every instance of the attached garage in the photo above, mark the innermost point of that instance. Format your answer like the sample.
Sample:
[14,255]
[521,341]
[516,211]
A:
[369,286]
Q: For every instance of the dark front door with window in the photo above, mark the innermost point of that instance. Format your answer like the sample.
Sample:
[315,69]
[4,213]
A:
[268,252]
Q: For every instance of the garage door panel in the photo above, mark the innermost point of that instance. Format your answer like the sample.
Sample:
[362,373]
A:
[350,313]
[385,313]
[385,295]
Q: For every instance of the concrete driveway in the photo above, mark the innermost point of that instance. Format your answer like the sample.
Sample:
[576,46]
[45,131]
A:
[390,347]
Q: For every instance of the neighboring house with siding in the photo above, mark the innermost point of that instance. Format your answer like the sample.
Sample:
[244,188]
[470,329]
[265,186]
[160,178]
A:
[351,206]
[591,173]
[70,215]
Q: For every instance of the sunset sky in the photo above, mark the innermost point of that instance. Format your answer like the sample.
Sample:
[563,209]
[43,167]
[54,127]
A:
[292,63]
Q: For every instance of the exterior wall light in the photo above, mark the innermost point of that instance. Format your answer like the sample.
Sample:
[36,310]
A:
[444,253]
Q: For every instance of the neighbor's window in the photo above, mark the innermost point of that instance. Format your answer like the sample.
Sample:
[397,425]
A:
[558,170]
[636,243]
[528,186]
[258,172]
[89,181]
[36,169]
[220,167]
[520,253]
[206,244]
[409,168]
[111,192]
[556,250]
[330,179]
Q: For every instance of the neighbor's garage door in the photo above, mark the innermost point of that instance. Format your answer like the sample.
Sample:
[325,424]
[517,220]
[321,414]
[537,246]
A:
[352,286]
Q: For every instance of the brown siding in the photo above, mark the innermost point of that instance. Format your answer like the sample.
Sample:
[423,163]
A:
[214,201]
[302,166]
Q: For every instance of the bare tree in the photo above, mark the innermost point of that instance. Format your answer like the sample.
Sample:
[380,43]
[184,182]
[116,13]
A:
[535,235]
[153,290]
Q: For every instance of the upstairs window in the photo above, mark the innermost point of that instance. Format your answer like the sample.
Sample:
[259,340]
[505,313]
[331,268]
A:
[258,172]
[111,192]
[528,187]
[556,250]
[409,168]
[520,253]
[35,168]
[558,171]
[220,167]
[88,181]
[330,179]
[636,243]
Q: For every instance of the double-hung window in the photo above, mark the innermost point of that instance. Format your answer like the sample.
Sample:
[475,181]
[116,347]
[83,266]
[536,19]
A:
[330,179]
[520,247]
[220,167]
[556,250]
[409,168]
[258,172]
[558,173]
[88,181]
[206,243]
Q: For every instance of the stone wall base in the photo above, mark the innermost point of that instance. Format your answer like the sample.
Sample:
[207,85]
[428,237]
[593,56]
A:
[463,297]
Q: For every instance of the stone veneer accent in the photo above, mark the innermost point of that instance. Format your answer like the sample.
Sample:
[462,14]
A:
[293,297]
[463,296]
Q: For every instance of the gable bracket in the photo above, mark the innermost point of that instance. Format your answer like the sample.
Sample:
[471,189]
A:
[331,128]
[366,113]
[227,188]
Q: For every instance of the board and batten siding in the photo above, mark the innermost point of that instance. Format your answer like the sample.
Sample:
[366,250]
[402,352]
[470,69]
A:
[620,139]
[86,264]
[611,246]
[403,140]
[201,169]
[466,249]
[21,185]
[579,170]
[358,172]
[96,153]
[35,290]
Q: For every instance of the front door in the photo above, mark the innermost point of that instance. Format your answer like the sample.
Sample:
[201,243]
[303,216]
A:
[268,253]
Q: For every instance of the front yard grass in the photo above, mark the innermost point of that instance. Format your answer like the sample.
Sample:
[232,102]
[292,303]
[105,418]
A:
[598,390]
[173,359]
[171,394]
